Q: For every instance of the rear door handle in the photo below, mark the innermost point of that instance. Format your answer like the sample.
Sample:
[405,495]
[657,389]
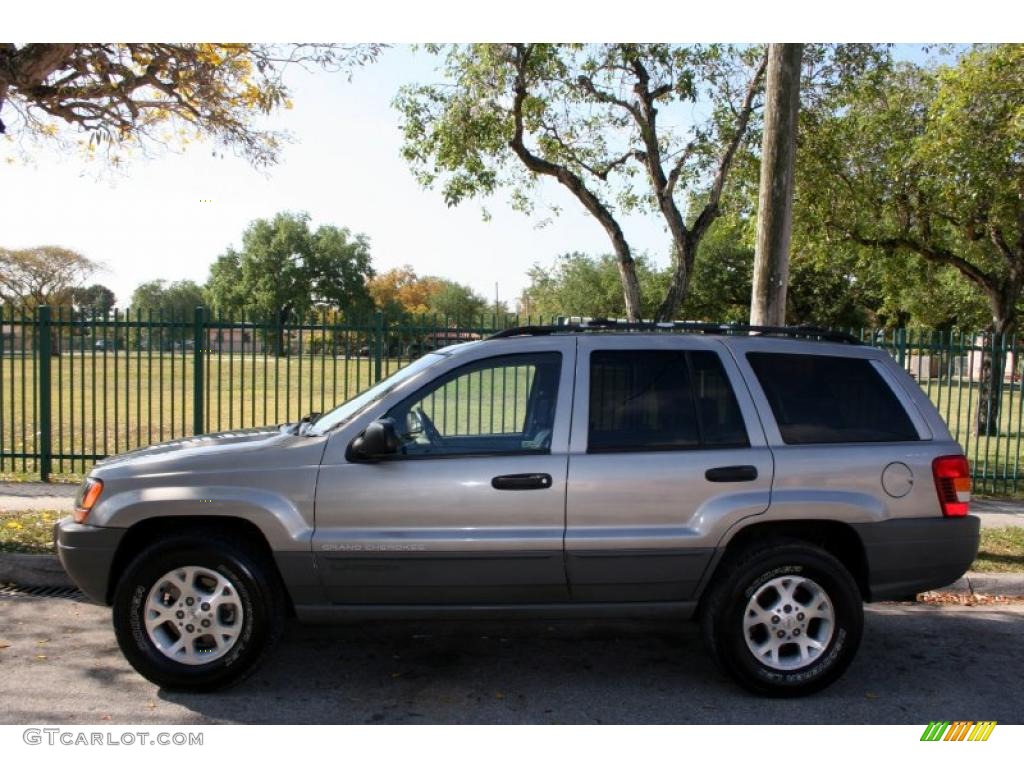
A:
[739,474]
[527,482]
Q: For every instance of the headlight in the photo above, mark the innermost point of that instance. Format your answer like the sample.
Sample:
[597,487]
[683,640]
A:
[86,499]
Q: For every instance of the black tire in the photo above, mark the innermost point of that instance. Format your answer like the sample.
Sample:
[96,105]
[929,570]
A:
[724,609]
[259,591]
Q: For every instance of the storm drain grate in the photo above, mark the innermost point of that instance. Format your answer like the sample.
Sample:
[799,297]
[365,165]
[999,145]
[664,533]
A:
[66,593]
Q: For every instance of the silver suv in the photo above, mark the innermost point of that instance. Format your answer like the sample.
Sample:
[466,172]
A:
[766,481]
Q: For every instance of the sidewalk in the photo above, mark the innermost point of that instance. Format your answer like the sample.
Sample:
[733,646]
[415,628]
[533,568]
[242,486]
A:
[28,497]
[25,497]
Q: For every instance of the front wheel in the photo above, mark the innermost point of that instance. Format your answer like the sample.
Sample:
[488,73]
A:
[198,612]
[784,619]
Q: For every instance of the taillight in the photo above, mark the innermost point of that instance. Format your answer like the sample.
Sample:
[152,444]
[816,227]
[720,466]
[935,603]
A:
[86,500]
[953,484]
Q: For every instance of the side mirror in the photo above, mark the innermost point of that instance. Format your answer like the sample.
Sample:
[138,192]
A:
[379,439]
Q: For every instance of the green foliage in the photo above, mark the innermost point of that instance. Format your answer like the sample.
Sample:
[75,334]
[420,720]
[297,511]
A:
[578,285]
[96,298]
[457,301]
[285,268]
[457,133]
[176,300]
[924,163]
[720,286]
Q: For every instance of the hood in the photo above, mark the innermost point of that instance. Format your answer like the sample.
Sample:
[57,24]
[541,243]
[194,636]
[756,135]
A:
[201,451]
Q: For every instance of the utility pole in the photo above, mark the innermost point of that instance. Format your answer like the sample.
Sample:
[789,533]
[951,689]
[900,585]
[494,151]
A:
[775,199]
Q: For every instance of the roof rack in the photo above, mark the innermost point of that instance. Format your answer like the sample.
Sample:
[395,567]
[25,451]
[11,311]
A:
[716,329]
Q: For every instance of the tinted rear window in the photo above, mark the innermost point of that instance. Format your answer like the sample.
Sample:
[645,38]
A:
[821,399]
[651,400]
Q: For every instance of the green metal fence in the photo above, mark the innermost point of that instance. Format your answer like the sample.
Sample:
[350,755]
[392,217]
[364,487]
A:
[76,387]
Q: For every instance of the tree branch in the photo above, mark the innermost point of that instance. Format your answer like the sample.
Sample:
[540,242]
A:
[573,183]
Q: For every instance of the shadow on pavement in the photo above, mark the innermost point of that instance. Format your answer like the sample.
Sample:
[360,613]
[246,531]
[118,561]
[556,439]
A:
[916,664]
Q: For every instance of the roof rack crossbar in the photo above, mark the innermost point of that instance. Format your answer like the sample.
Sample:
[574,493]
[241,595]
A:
[718,329]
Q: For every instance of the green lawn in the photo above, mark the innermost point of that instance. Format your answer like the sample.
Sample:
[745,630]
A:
[1001,550]
[28,532]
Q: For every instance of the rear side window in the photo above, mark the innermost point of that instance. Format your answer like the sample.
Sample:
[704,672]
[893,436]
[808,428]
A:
[661,400]
[821,399]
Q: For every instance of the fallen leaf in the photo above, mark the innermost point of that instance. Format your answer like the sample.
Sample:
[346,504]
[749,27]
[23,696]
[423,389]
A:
[4,645]
[40,657]
[42,642]
[499,695]
[870,695]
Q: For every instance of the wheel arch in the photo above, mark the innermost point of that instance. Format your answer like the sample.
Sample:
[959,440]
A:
[838,539]
[149,530]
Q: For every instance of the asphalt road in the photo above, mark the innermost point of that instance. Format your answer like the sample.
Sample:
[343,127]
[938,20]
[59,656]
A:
[918,663]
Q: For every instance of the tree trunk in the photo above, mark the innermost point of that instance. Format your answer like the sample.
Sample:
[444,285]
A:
[775,200]
[282,318]
[993,368]
[630,286]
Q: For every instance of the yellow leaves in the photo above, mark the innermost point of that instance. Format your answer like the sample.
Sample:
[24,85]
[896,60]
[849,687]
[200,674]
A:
[15,525]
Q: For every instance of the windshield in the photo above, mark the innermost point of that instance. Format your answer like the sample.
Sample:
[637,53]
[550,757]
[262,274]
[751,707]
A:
[350,408]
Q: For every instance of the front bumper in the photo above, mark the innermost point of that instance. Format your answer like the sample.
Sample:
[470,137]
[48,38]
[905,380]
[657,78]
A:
[87,553]
[906,557]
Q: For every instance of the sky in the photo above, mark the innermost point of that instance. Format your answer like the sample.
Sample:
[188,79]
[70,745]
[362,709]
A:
[169,217]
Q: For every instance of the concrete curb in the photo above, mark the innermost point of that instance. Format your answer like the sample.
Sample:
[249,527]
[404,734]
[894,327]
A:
[46,571]
[32,570]
[992,584]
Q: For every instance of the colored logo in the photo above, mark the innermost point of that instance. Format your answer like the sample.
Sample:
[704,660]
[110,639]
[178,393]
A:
[961,730]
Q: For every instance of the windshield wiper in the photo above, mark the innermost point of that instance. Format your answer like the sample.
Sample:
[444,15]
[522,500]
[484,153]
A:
[301,426]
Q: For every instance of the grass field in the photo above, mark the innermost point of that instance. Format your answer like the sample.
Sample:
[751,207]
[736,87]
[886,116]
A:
[108,403]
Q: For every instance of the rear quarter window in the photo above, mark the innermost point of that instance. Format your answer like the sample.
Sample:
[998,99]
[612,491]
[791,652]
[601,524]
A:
[824,399]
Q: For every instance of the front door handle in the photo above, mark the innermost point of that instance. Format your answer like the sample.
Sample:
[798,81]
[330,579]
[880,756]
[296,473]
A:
[739,474]
[527,482]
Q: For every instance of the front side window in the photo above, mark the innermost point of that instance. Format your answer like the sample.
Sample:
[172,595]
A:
[826,399]
[658,400]
[498,405]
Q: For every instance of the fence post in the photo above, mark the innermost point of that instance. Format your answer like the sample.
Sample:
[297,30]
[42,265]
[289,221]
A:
[198,344]
[378,344]
[45,425]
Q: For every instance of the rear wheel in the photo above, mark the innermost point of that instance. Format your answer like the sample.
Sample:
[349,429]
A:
[198,612]
[784,619]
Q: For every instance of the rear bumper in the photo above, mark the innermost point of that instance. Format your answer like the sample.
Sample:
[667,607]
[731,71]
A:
[87,552]
[905,557]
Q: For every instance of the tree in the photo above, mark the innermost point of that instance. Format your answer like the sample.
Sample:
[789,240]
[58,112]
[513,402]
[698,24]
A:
[164,302]
[722,272]
[284,269]
[96,298]
[43,275]
[401,291]
[587,116]
[156,92]
[929,162]
[176,300]
[775,202]
[457,301]
[578,285]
